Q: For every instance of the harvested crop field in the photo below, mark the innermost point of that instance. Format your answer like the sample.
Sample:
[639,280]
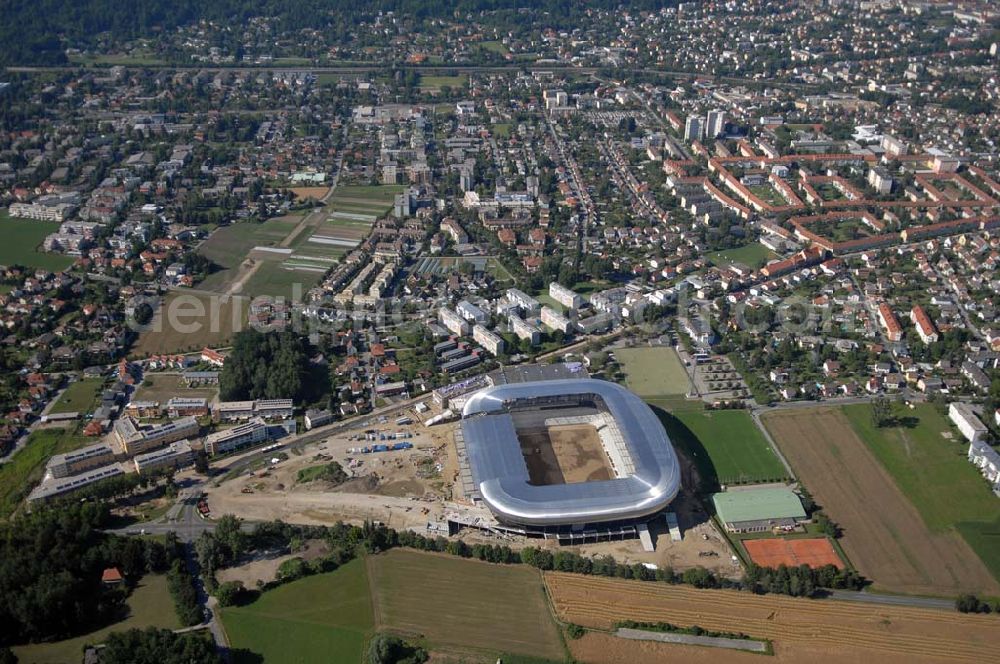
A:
[800,629]
[884,535]
[465,604]
[815,552]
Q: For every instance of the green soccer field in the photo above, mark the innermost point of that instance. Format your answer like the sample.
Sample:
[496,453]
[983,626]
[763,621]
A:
[927,458]
[322,618]
[653,371]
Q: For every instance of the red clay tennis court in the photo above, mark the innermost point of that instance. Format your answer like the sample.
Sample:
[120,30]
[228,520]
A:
[792,552]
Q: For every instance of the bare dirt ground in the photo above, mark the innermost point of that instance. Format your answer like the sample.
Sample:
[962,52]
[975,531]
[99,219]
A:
[404,489]
[563,454]
[303,193]
[263,570]
[884,536]
[800,629]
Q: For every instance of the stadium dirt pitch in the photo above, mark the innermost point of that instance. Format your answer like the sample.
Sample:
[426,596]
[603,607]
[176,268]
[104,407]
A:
[801,630]
[461,604]
[815,552]
[564,455]
[884,535]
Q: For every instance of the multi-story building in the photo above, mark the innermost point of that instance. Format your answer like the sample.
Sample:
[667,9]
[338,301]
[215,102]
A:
[524,301]
[565,296]
[143,409]
[880,180]
[925,326]
[555,320]
[963,417]
[451,320]
[242,435]
[890,324]
[493,343]
[136,440]
[693,128]
[525,330]
[470,312]
[64,485]
[78,461]
[184,406]
[175,454]
[317,418]
[274,409]
[715,123]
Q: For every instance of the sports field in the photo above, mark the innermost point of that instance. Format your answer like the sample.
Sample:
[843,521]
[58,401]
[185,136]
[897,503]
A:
[322,618]
[79,396]
[653,371]
[149,605]
[463,604]
[885,537]
[815,552]
[738,451]
[22,239]
[801,630]
[927,459]
[751,255]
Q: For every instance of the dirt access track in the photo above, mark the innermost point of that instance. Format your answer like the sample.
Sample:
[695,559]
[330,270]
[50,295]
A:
[884,535]
[817,631]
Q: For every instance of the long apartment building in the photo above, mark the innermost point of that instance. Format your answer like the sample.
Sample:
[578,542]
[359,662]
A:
[453,322]
[565,296]
[525,330]
[492,342]
[242,435]
[271,409]
[890,324]
[555,320]
[523,300]
[135,439]
[78,461]
[64,485]
[175,454]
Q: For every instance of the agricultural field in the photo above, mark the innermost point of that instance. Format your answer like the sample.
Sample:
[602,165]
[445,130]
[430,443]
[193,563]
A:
[79,396]
[891,545]
[465,604]
[751,255]
[738,451]
[327,617]
[229,246]
[198,308]
[26,466]
[22,240]
[162,386]
[653,371]
[927,459]
[281,280]
[149,605]
[822,632]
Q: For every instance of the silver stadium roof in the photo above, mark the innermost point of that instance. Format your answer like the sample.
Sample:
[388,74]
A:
[501,475]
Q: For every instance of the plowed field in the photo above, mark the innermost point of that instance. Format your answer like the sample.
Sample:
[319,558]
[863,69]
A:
[884,535]
[800,629]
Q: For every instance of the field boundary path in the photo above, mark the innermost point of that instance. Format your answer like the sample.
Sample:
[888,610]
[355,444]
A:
[692,640]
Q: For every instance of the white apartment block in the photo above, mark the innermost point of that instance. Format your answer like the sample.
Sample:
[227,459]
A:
[492,342]
[565,296]
[555,320]
[240,436]
[987,460]
[962,415]
[77,461]
[175,454]
[525,330]
[523,300]
[453,322]
[470,312]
